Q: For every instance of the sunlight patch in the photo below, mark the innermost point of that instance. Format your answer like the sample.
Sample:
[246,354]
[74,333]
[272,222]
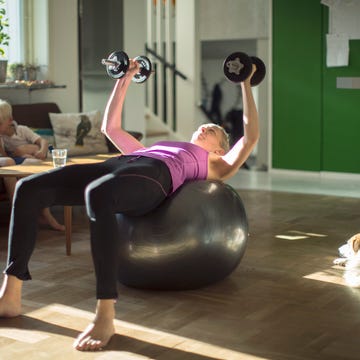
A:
[291,237]
[135,331]
[25,336]
[349,278]
[300,235]
[307,233]
[326,277]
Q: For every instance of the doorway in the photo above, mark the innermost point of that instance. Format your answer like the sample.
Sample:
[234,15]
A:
[100,33]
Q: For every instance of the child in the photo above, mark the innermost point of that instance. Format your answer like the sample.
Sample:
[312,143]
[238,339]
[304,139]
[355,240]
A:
[19,144]
[19,141]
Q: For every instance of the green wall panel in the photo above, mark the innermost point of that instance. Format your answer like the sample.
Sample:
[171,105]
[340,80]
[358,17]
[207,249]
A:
[341,117]
[315,125]
[297,82]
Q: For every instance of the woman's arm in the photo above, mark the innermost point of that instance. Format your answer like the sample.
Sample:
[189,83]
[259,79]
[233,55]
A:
[228,164]
[112,122]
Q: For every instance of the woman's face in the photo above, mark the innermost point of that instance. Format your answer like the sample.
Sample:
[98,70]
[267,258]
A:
[209,137]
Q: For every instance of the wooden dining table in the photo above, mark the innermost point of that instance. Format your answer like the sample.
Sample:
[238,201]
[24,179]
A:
[24,170]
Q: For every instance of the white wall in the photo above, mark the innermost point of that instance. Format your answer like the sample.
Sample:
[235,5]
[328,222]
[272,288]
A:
[233,19]
[134,44]
[63,53]
[263,104]
[39,53]
[188,62]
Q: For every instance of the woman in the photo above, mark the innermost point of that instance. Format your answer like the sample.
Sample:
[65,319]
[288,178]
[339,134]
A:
[133,184]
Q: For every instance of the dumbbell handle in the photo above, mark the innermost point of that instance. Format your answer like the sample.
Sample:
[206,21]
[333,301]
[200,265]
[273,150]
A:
[109,62]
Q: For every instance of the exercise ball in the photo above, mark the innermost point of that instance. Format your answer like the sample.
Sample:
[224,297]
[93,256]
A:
[196,237]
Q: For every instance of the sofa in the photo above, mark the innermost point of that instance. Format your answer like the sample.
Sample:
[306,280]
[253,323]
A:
[34,115]
[38,116]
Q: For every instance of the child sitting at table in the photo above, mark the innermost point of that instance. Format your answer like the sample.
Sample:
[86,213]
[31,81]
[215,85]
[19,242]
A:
[19,141]
[20,145]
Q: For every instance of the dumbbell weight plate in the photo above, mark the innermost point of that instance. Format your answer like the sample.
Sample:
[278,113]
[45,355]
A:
[237,67]
[118,71]
[260,72]
[145,69]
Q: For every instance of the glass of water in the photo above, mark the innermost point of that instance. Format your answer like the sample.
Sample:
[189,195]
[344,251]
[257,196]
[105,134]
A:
[59,157]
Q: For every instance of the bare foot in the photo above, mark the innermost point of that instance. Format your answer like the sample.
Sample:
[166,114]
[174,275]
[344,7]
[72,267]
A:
[10,297]
[55,225]
[95,337]
[98,334]
[47,218]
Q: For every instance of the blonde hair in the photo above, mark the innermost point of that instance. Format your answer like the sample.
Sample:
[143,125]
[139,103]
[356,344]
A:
[225,140]
[5,110]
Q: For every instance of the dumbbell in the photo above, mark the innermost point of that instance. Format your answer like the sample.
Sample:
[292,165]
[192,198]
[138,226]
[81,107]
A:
[238,66]
[117,64]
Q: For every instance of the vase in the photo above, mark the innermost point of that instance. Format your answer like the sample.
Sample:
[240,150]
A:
[3,70]
[18,72]
[30,73]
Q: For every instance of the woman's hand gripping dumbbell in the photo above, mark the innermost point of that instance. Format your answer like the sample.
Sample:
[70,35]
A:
[117,64]
[238,67]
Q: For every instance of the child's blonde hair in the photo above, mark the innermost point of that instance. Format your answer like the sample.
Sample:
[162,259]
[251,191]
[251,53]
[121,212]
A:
[5,110]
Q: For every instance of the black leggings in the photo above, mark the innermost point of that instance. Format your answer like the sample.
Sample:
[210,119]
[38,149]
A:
[131,185]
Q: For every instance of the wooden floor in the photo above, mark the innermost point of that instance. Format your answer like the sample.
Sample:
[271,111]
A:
[285,301]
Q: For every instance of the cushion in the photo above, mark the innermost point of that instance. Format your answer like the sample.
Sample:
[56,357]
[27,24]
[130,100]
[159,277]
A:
[79,133]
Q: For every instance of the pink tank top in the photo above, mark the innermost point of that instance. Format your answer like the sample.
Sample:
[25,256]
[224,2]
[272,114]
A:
[186,161]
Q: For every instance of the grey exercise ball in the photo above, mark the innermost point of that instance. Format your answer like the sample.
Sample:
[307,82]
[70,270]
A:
[194,238]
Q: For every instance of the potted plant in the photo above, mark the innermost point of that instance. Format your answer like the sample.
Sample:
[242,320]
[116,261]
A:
[17,71]
[4,40]
[31,72]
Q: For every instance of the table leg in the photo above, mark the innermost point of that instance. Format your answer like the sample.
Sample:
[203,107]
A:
[68,227]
